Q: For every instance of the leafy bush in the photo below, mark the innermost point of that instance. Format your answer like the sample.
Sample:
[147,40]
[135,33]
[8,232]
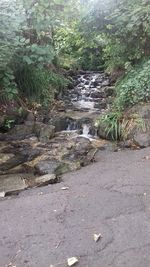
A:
[128,33]
[134,87]
[39,85]
[118,126]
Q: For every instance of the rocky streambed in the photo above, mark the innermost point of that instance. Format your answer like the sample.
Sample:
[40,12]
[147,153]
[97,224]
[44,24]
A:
[39,150]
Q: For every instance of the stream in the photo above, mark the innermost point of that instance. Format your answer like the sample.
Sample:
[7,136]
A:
[36,153]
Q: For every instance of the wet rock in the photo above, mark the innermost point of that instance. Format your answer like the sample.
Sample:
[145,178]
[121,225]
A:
[98,80]
[106,83]
[98,94]
[46,167]
[86,83]
[84,120]
[44,132]
[100,105]
[93,130]
[60,123]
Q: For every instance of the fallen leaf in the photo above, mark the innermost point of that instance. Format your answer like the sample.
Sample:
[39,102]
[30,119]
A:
[2,194]
[97,237]
[65,188]
[72,261]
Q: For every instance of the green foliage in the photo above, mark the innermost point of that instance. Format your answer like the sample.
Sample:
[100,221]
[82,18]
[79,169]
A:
[118,126]
[87,34]
[134,87]
[128,33]
[8,124]
[8,87]
[112,125]
[39,85]
[11,17]
[26,42]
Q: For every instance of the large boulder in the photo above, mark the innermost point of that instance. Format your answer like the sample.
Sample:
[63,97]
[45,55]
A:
[59,122]
[140,133]
[98,94]
[44,132]
[142,139]
[46,167]
[19,132]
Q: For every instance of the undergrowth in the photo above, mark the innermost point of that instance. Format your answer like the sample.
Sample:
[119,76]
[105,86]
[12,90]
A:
[39,85]
[118,126]
[134,87]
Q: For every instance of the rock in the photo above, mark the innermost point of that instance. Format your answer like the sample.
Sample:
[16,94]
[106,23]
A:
[12,163]
[79,151]
[45,179]
[4,157]
[142,139]
[44,132]
[46,167]
[12,183]
[100,105]
[30,119]
[82,145]
[140,132]
[143,110]
[110,147]
[98,94]
[60,123]
[109,91]
[20,132]
[93,130]
[101,131]
[84,120]
[2,120]
[106,82]
[68,167]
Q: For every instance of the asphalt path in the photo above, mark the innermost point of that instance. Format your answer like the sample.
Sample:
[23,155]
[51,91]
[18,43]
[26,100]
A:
[45,226]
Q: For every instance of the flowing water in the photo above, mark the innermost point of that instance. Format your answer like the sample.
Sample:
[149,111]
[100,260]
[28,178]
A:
[91,96]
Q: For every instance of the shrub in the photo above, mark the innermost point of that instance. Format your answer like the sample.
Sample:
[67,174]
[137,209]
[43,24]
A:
[134,87]
[39,85]
[118,126]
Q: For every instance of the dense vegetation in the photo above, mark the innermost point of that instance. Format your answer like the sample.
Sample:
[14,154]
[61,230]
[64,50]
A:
[39,38]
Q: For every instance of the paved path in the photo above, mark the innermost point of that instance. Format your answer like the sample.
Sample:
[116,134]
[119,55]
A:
[47,225]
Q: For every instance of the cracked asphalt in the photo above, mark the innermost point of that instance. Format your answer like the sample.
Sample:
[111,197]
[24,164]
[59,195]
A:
[45,226]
